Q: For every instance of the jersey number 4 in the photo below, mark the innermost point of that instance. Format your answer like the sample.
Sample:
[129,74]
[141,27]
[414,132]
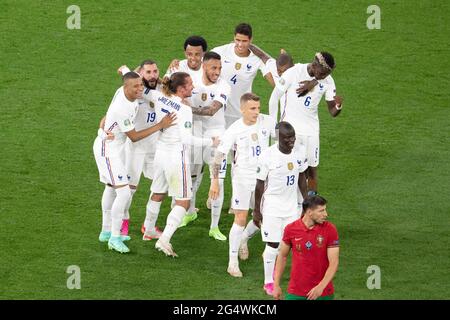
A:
[233,79]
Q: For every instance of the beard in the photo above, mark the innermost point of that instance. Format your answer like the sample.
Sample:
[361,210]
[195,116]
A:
[148,85]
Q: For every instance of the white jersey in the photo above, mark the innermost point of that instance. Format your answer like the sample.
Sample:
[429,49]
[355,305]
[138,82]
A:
[119,120]
[146,118]
[280,172]
[248,142]
[177,137]
[196,75]
[302,112]
[239,72]
[203,95]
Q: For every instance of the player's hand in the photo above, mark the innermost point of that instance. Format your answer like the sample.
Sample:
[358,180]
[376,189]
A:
[109,135]
[257,218]
[174,65]
[305,87]
[314,293]
[120,70]
[215,141]
[214,189]
[276,292]
[338,100]
[168,120]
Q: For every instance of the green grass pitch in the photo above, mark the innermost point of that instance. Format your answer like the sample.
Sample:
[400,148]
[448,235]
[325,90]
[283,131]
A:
[384,161]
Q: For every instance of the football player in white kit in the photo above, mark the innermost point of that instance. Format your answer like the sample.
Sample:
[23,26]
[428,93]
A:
[171,163]
[110,157]
[209,99]
[194,49]
[249,135]
[301,110]
[139,155]
[239,69]
[280,173]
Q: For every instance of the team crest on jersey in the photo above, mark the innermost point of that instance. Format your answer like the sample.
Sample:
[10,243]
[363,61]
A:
[321,86]
[188,124]
[319,241]
[290,166]
[299,162]
[237,66]
[264,132]
[204,96]
[254,136]
[120,177]
[249,67]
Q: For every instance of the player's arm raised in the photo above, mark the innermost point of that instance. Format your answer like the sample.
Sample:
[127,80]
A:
[209,110]
[257,51]
[165,122]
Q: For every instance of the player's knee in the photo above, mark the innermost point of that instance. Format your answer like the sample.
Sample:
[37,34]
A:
[123,193]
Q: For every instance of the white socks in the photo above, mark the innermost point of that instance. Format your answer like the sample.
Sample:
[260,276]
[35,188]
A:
[216,207]
[269,258]
[123,195]
[109,194]
[250,230]
[235,241]
[126,215]
[173,221]
[151,216]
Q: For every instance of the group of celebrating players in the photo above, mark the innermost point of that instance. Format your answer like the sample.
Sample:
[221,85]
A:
[203,111]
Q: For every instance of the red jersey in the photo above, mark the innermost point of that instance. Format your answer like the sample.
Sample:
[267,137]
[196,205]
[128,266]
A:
[309,255]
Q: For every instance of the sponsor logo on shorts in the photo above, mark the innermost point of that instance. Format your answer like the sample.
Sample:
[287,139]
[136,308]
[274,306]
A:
[266,234]
[236,201]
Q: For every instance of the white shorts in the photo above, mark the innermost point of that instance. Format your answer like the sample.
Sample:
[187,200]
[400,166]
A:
[112,170]
[243,195]
[312,147]
[172,174]
[272,228]
[138,163]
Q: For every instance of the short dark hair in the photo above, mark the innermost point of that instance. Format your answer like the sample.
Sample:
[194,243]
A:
[243,28]
[328,59]
[211,55]
[285,126]
[313,202]
[284,59]
[196,41]
[130,75]
[145,62]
